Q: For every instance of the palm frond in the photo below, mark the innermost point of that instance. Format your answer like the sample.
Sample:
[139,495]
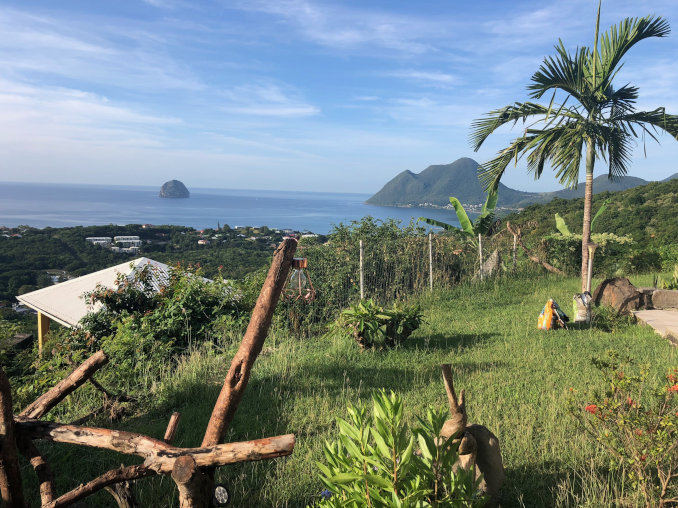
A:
[491,171]
[616,42]
[483,127]
[563,72]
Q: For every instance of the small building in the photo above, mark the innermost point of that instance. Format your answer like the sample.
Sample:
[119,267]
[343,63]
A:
[99,240]
[202,241]
[128,241]
[64,302]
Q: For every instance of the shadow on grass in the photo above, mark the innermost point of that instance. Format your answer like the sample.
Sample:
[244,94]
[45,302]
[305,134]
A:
[441,341]
[553,483]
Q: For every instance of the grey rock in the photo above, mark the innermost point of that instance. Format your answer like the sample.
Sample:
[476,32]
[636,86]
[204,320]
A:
[174,189]
[665,299]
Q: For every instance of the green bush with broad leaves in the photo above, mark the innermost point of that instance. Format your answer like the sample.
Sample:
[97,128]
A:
[373,326]
[636,422]
[378,461]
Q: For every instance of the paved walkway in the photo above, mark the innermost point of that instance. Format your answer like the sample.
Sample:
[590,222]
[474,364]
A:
[664,322]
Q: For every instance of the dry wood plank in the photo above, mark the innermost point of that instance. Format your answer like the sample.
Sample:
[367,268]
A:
[80,375]
[250,347]
[10,476]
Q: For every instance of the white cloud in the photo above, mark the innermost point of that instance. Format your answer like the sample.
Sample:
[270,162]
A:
[349,28]
[266,100]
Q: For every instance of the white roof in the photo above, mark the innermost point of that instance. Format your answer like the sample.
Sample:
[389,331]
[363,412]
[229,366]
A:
[64,302]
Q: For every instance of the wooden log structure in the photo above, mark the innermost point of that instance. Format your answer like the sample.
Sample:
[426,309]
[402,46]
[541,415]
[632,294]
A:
[190,468]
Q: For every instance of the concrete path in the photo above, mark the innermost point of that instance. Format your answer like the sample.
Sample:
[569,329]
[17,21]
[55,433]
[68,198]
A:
[664,322]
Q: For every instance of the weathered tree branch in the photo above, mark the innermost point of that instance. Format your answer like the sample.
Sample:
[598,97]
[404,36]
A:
[172,427]
[111,477]
[41,467]
[80,375]
[10,476]
[194,486]
[250,347]
[159,455]
[518,236]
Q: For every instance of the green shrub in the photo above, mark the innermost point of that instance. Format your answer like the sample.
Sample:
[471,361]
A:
[372,326]
[638,425]
[672,283]
[374,462]
[564,252]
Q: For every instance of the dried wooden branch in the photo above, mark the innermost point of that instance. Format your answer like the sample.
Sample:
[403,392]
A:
[111,477]
[172,427]
[250,347]
[41,467]
[123,494]
[194,486]
[80,375]
[10,476]
[112,396]
[518,236]
[159,455]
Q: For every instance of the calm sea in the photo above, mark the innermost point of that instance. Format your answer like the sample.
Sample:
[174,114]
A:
[61,205]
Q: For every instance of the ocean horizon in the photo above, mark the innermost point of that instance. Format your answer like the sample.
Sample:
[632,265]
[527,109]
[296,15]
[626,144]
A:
[64,205]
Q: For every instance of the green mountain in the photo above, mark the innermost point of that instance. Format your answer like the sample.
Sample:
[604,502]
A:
[437,183]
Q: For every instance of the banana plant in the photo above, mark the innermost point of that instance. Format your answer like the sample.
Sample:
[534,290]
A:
[482,225]
[565,231]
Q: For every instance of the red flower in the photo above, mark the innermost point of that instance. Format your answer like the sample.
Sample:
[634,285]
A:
[591,408]
[639,432]
[629,401]
[673,388]
[643,457]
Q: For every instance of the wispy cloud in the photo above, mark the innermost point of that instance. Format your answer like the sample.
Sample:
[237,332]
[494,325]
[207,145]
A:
[346,28]
[431,78]
[266,100]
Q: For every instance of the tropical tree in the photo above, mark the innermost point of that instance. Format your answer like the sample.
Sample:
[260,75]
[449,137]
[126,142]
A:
[586,114]
[482,225]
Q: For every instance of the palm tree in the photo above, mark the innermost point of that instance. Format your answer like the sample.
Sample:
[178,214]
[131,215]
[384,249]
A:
[586,114]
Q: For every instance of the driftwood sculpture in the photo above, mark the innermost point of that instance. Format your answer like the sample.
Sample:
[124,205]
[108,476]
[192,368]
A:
[478,445]
[190,468]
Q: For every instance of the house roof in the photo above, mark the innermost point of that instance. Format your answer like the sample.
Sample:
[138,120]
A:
[64,302]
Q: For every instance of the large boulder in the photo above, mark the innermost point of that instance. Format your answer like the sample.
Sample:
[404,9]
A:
[174,189]
[619,294]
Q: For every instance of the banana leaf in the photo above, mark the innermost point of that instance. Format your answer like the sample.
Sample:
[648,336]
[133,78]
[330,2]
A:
[562,227]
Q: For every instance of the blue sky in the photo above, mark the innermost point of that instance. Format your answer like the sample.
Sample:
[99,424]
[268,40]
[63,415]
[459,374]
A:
[288,94]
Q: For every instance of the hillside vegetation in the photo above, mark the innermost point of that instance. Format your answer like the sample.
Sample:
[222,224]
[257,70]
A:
[646,213]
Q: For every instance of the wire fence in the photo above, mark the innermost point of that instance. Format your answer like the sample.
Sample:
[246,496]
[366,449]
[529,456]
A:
[389,269]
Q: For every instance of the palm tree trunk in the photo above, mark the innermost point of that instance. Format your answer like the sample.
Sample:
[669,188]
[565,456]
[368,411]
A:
[588,200]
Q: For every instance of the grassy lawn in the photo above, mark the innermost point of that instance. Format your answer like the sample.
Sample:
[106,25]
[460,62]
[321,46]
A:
[517,382]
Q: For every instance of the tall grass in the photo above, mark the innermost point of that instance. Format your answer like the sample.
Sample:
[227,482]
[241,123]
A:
[517,381]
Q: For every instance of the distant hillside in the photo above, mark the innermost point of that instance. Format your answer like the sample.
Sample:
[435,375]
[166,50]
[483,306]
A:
[672,177]
[437,183]
[647,213]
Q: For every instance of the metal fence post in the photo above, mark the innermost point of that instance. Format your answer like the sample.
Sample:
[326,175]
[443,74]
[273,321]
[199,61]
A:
[362,273]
